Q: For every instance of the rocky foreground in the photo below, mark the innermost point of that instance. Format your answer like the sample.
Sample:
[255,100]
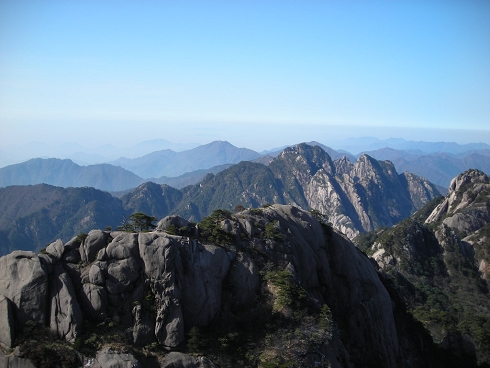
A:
[266,287]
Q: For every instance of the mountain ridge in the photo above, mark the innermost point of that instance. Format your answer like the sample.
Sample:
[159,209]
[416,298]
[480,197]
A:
[187,168]
[170,163]
[439,258]
[303,175]
[176,297]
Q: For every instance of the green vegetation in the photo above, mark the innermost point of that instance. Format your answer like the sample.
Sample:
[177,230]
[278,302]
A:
[272,231]
[81,237]
[289,293]
[440,287]
[210,227]
[138,222]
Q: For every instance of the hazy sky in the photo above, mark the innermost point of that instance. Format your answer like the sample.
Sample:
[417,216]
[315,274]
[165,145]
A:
[256,73]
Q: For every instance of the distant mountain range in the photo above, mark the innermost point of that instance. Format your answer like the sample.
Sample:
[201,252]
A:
[438,167]
[364,144]
[32,216]
[171,163]
[355,197]
[83,155]
[188,167]
[66,173]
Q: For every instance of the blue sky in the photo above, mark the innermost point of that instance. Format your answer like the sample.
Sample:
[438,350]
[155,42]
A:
[259,74]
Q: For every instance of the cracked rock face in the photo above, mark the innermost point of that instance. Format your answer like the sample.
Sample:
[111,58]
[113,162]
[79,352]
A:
[356,197]
[158,286]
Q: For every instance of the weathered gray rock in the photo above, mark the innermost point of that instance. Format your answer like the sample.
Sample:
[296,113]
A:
[174,220]
[459,197]
[24,281]
[124,245]
[180,360]
[205,268]
[169,326]
[73,243]
[121,273]
[13,361]
[65,315]
[72,256]
[244,280]
[56,249]
[96,273]
[47,262]
[93,300]
[143,328]
[93,243]
[110,358]
[161,257]
[7,322]
[356,295]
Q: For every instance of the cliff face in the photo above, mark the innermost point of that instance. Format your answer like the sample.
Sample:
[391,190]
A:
[356,197]
[465,211]
[439,259]
[263,287]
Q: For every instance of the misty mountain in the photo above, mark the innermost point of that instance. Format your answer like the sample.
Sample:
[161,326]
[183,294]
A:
[83,155]
[439,168]
[171,163]
[365,144]
[33,216]
[66,173]
[356,197]
[190,178]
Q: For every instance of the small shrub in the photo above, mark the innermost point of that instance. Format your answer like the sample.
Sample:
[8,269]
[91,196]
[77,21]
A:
[290,293]
[257,211]
[81,237]
[272,231]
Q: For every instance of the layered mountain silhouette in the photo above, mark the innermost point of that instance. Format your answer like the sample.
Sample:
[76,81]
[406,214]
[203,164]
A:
[32,216]
[180,169]
[66,173]
[356,197]
[170,163]
[414,294]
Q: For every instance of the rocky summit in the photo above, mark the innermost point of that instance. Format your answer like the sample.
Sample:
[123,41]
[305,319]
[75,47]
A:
[437,260]
[274,286]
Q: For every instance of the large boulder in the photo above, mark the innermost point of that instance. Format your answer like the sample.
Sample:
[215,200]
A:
[65,316]
[180,360]
[205,269]
[93,243]
[24,281]
[56,249]
[110,358]
[161,257]
[93,300]
[124,245]
[171,221]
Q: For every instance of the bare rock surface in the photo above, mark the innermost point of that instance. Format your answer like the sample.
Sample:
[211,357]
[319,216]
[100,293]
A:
[110,358]
[7,322]
[65,314]
[155,287]
[180,360]
[24,282]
